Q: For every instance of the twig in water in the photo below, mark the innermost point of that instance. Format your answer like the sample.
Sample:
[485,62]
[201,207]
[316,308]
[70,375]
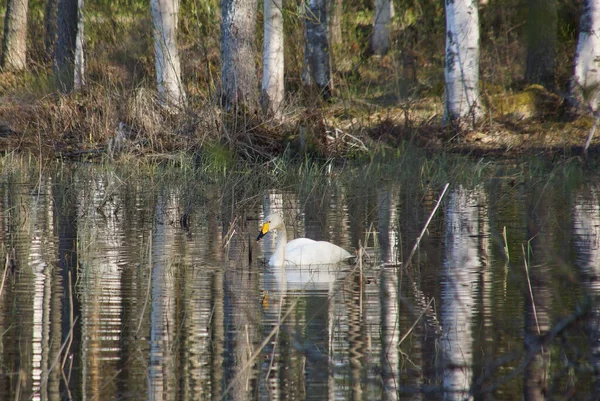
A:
[147,289]
[589,138]
[360,277]
[506,251]
[55,362]
[279,322]
[5,271]
[72,321]
[530,291]
[507,261]
[414,249]
[415,323]
[259,349]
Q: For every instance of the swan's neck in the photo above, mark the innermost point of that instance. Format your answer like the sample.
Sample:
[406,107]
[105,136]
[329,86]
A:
[278,258]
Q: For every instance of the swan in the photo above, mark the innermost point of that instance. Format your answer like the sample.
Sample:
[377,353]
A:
[301,251]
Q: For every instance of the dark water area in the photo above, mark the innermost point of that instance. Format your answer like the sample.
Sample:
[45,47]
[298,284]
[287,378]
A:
[131,286]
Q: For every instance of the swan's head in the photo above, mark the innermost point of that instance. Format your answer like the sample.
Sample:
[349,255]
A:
[273,222]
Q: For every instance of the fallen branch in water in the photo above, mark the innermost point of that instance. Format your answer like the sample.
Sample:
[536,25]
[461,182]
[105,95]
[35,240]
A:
[414,249]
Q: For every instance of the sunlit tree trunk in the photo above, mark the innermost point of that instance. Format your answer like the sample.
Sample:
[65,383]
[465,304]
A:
[273,63]
[14,45]
[461,69]
[238,71]
[68,57]
[168,69]
[541,41]
[585,85]
[317,68]
[334,22]
[380,39]
[50,28]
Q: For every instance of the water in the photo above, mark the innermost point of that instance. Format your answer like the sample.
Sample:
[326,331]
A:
[132,286]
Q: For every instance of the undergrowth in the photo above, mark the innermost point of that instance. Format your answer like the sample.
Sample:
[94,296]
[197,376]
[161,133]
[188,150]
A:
[381,104]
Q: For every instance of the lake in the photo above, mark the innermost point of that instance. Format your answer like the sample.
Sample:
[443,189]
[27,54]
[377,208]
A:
[121,283]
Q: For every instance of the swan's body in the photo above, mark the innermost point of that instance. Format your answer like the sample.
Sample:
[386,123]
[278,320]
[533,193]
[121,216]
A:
[301,251]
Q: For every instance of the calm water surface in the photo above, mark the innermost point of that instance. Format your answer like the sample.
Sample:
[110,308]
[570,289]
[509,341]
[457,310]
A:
[119,288]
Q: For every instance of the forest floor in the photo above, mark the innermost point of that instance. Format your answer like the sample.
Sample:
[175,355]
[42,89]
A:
[96,122]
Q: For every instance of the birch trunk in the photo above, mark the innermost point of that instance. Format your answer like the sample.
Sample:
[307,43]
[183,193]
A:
[461,69]
[168,68]
[68,57]
[238,71]
[542,20]
[14,46]
[585,85]
[380,39]
[273,62]
[317,68]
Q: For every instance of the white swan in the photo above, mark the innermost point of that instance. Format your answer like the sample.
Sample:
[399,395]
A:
[301,251]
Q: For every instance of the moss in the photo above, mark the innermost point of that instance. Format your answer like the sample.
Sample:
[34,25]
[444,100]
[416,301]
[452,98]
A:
[533,101]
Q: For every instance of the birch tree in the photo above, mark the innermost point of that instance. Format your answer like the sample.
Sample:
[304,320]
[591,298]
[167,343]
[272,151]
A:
[273,62]
[585,84]
[541,41]
[168,68]
[239,83]
[14,45]
[380,38]
[461,68]
[317,67]
[68,56]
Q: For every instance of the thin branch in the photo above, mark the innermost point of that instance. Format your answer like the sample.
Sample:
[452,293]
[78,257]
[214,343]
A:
[409,261]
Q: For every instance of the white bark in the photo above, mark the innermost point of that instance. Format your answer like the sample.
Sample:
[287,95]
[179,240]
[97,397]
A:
[79,67]
[168,68]
[380,38]
[273,62]
[14,47]
[461,72]
[585,86]
[238,69]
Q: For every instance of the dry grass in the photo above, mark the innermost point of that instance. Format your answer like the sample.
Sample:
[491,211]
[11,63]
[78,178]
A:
[380,102]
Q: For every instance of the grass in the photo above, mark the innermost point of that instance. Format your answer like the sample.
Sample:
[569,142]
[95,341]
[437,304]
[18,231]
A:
[381,105]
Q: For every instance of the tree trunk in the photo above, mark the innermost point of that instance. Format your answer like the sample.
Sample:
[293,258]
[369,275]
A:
[334,22]
[50,16]
[238,70]
[317,68]
[541,42]
[168,68]
[14,46]
[380,39]
[68,57]
[585,85]
[461,69]
[273,62]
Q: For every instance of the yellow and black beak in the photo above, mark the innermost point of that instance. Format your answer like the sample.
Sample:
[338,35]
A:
[263,231]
